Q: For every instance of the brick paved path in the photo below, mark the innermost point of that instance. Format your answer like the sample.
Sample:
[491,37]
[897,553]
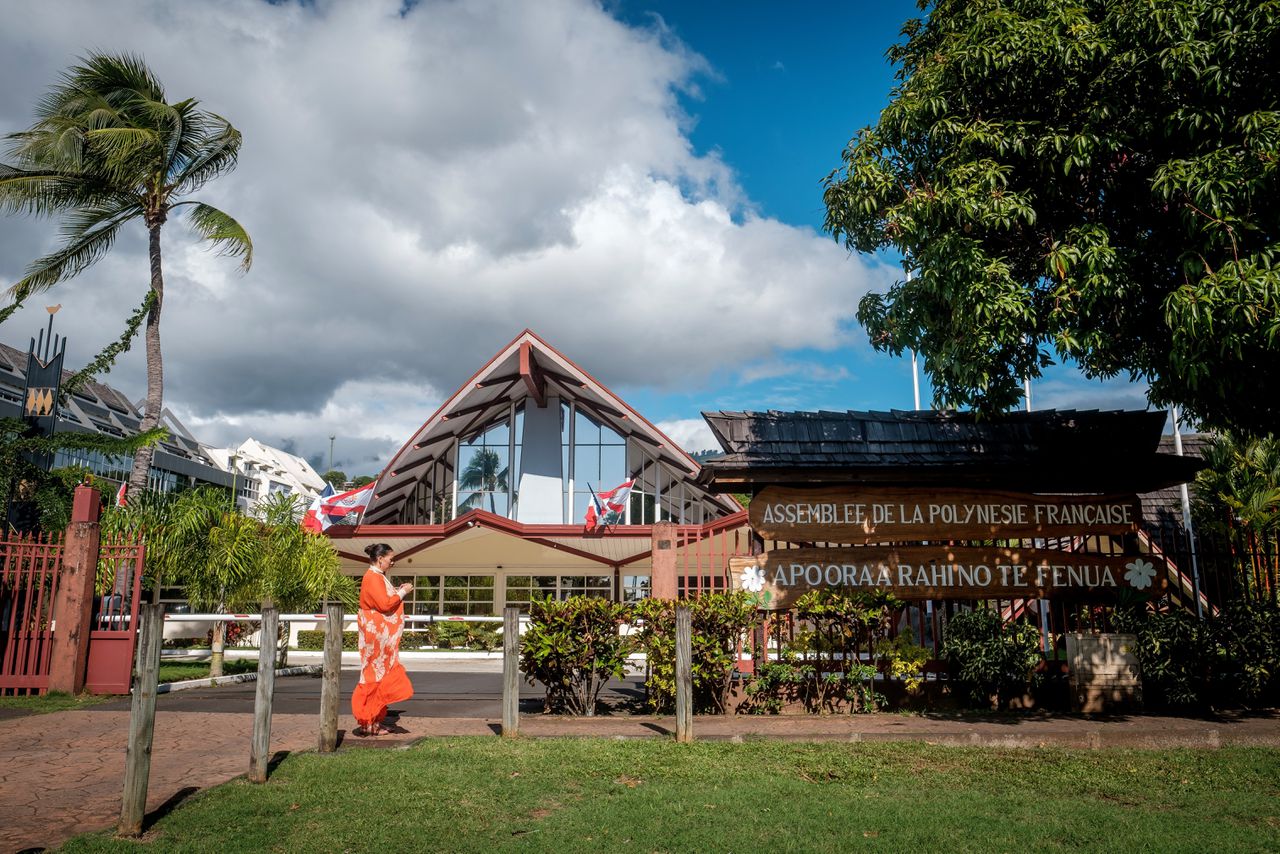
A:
[61,773]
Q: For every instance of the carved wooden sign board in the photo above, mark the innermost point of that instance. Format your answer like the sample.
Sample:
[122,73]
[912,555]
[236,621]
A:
[779,577]
[887,515]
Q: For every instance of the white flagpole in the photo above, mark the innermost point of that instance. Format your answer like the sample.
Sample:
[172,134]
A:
[1043,603]
[915,369]
[1186,520]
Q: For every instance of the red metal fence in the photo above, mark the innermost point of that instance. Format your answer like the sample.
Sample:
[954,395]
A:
[29,571]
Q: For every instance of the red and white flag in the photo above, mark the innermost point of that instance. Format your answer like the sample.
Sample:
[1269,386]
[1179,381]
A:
[353,501]
[314,520]
[608,508]
[120,499]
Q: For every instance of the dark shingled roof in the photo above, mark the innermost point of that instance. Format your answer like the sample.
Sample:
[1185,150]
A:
[1162,509]
[1044,451]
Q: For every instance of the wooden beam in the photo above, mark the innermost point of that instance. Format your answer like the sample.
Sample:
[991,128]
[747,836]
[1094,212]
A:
[564,379]
[479,407]
[505,378]
[532,374]
[412,466]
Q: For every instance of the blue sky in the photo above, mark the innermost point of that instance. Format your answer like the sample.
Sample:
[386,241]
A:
[788,84]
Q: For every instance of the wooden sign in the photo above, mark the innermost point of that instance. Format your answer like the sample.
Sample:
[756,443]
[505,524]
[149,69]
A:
[778,578]
[868,515]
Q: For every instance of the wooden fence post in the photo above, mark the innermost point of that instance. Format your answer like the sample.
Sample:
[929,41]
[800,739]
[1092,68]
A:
[142,720]
[684,675]
[329,691]
[260,747]
[510,672]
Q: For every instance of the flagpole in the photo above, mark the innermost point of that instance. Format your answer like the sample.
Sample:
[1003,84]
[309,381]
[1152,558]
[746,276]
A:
[1186,520]
[1044,615]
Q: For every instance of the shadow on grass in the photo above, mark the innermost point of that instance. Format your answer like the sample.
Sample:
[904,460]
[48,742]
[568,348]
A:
[175,800]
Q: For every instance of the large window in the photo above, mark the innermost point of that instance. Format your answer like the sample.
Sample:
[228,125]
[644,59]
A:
[484,471]
[599,462]
[451,596]
[522,589]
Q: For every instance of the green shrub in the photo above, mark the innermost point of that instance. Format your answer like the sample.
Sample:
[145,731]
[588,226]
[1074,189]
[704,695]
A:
[719,623]
[1175,652]
[793,680]
[1228,659]
[989,658]
[1246,653]
[313,639]
[573,648]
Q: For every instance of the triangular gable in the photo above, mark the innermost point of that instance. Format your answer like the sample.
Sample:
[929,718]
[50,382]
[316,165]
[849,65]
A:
[526,369]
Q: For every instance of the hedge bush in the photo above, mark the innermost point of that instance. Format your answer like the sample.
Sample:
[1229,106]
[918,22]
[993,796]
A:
[433,636]
[573,648]
[719,623]
[989,658]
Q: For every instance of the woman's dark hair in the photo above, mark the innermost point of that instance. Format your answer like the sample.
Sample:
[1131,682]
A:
[377,551]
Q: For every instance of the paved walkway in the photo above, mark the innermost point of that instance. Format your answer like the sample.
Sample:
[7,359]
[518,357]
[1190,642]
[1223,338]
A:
[61,773]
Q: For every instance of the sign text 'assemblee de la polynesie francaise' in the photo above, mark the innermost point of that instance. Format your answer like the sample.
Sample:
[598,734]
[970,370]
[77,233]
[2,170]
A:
[902,543]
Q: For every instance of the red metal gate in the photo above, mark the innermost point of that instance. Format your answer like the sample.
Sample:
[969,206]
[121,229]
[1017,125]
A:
[29,571]
[115,621]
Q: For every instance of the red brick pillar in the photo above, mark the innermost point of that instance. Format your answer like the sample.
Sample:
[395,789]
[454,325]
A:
[664,585]
[73,607]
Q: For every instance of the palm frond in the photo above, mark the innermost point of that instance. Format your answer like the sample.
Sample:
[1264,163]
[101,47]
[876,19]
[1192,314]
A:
[227,235]
[89,234]
[44,192]
[219,154]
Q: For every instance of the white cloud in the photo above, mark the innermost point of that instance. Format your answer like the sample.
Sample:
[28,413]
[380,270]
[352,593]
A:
[692,434]
[421,187]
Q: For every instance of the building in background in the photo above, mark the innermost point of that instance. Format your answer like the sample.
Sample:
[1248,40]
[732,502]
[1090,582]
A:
[260,471]
[180,460]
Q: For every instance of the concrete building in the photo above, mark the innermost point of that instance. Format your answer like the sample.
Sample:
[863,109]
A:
[260,471]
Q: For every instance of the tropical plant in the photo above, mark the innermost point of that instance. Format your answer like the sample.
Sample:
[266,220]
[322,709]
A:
[483,475]
[574,648]
[228,561]
[1095,180]
[1239,495]
[107,149]
[988,658]
[719,623]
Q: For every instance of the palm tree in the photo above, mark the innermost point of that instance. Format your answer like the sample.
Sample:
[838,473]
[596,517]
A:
[483,475]
[107,149]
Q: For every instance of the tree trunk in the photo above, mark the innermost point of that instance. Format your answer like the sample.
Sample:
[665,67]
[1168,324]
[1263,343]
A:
[155,363]
[282,654]
[216,653]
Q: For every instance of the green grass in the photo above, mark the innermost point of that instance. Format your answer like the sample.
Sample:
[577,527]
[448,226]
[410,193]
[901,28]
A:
[177,671]
[53,702]
[565,795]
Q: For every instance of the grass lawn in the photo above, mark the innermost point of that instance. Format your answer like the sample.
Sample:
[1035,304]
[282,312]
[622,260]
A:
[483,794]
[177,671]
[54,702]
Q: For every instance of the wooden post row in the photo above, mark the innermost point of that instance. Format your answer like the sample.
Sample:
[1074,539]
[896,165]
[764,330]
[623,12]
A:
[329,687]
[510,672]
[684,675]
[142,719]
[260,747]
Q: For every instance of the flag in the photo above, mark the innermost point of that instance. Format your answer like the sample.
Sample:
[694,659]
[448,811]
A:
[314,520]
[340,506]
[608,508]
[120,499]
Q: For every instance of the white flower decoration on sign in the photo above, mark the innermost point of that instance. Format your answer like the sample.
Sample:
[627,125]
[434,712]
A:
[752,579]
[1140,573]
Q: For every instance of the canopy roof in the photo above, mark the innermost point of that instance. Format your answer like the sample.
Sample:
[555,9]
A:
[1045,451]
[527,369]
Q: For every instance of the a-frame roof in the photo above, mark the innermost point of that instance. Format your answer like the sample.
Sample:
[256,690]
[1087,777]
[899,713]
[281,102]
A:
[526,369]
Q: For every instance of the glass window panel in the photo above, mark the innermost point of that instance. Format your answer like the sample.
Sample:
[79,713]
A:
[453,582]
[609,437]
[585,430]
[580,500]
[574,580]
[519,582]
[498,434]
[481,580]
[605,581]
[586,466]
[613,465]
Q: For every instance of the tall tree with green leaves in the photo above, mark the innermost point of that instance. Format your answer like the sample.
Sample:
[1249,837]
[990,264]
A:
[1097,181]
[108,149]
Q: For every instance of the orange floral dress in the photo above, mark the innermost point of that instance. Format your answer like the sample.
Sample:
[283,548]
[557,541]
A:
[380,621]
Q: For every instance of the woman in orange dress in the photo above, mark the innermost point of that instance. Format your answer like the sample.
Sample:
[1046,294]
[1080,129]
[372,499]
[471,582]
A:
[380,621]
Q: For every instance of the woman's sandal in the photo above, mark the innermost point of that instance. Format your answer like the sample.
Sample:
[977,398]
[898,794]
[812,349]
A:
[376,729]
